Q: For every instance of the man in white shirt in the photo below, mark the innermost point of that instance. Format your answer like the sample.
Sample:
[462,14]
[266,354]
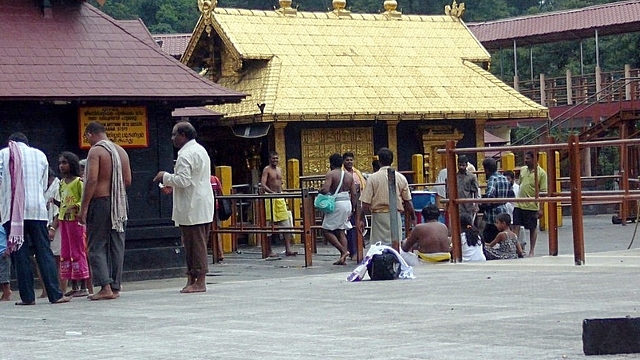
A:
[35,172]
[192,202]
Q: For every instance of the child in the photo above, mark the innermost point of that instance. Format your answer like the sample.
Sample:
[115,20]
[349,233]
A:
[73,256]
[505,245]
[471,240]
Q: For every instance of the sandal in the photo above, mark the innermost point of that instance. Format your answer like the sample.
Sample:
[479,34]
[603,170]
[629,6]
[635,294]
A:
[70,292]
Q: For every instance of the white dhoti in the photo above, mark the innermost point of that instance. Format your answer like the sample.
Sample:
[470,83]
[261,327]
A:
[381,227]
[339,218]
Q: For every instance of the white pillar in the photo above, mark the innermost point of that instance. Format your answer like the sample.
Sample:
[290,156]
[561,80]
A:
[543,93]
[627,83]
[569,89]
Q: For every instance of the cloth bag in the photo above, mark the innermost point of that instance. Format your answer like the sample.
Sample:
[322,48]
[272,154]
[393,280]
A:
[224,210]
[327,202]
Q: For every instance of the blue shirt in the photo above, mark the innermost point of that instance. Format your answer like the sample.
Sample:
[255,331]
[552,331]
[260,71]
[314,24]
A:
[497,187]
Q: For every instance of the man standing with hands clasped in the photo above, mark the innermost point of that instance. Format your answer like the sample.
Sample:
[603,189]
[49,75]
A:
[192,202]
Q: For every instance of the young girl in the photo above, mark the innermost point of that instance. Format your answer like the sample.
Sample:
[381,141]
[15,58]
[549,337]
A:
[73,256]
[471,240]
[505,245]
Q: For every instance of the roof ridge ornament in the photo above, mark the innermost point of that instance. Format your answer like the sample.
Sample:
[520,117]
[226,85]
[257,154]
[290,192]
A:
[339,8]
[390,11]
[206,8]
[286,9]
[455,10]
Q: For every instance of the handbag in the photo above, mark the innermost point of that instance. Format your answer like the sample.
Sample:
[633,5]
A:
[327,202]
[224,209]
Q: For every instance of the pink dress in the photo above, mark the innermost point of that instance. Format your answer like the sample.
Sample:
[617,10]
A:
[73,254]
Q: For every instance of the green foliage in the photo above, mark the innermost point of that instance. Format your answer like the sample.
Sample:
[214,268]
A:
[182,15]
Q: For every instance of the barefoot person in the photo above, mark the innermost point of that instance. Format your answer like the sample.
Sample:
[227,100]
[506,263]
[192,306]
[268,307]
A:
[192,202]
[429,240]
[104,209]
[340,183]
[533,179]
[375,200]
[23,213]
[276,209]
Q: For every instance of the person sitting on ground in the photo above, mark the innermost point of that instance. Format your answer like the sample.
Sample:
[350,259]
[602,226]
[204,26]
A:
[431,238]
[471,240]
[505,245]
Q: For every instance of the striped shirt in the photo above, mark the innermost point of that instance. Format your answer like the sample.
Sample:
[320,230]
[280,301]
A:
[35,171]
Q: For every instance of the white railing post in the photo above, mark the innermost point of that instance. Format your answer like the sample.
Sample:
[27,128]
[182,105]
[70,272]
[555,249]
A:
[598,83]
[543,95]
[569,89]
[627,85]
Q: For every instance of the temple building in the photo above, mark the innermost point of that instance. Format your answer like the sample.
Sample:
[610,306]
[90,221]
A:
[325,82]
[65,63]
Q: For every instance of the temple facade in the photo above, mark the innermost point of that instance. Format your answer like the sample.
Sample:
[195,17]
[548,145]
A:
[320,83]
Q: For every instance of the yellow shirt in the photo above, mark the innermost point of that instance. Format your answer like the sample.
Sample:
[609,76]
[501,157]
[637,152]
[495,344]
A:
[528,187]
[376,194]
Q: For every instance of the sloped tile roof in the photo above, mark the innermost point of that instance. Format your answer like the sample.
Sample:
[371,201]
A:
[173,44]
[316,66]
[82,54]
[199,111]
[612,18]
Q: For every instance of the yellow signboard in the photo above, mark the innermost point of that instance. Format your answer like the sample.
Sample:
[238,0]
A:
[126,126]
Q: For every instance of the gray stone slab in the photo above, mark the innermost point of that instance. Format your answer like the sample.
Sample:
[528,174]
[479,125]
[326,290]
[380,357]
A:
[518,309]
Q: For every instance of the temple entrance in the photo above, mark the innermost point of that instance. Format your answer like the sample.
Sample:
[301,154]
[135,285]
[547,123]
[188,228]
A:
[434,138]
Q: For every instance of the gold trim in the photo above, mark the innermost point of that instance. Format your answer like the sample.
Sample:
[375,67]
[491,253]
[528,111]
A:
[454,10]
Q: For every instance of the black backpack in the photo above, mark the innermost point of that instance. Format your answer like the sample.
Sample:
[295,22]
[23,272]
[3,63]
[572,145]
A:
[384,267]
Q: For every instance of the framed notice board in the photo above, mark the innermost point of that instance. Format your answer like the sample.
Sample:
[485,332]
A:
[127,126]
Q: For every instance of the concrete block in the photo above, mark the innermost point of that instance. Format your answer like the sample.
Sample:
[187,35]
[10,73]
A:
[611,336]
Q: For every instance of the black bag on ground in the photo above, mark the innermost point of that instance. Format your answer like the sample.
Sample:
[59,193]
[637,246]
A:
[224,209]
[384,267]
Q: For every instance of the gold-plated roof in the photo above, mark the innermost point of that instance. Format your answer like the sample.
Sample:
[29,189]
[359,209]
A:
[324,66]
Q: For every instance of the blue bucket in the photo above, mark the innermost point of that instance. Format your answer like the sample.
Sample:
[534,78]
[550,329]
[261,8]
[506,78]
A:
[420,199]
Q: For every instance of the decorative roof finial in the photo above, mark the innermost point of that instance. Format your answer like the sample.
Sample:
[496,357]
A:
[285,8]
[339,8]
[206,8]
[455,10]
[390,11]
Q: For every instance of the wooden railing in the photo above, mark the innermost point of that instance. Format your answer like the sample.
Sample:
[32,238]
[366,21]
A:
[573,89]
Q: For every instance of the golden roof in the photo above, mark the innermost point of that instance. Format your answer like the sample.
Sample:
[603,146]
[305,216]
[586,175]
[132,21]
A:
[325,66]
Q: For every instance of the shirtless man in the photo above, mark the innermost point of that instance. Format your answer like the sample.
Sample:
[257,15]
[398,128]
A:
[104,209]
[276,209]
[430,237]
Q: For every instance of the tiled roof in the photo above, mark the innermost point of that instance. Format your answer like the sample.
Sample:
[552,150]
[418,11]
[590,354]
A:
[316,66]
[82,54]
[613,18]
[173,44]
[489,138]
[199,111]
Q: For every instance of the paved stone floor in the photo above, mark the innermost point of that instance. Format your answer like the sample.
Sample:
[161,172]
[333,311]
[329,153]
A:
[529,308]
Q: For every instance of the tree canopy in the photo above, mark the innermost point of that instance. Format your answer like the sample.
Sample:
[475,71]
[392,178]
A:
[180,16]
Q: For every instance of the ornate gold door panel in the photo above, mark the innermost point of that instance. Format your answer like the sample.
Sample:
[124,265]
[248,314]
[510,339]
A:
[434,138]
[319,144]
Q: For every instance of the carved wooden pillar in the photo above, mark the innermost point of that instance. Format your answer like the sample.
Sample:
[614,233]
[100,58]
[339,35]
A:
[392,138]
[480,141]
[281,148]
